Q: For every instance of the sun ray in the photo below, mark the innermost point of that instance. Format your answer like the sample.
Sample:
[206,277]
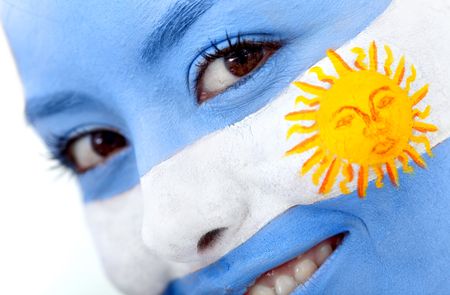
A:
[305,145]
[422,114]
[411,79]
[309,88]
[363,181]
[304,115]
[360,59]
[345,142]
[380,176]
[423,140]
[299,129]
[389,61]
[349,175]
[373,56]
[415,156]
[405,163]
[311,102]
[330,177]
[324,163]
[322,76]
[392,172]
[312,161]
[400,72]
[419,95]
[424,127]
[342,68]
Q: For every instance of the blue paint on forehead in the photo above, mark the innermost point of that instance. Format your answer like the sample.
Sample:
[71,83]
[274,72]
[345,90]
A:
[95,49]
[397,241]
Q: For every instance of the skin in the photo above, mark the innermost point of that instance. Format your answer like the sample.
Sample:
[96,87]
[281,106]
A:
[191,169]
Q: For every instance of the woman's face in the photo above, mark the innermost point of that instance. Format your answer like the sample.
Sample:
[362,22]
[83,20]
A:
[172,114]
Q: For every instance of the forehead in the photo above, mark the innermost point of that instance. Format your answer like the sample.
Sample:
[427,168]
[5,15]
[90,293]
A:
[45,34]
[89,35]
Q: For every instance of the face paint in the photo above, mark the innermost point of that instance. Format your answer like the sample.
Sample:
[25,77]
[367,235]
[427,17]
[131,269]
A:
[365,119]
[203,201]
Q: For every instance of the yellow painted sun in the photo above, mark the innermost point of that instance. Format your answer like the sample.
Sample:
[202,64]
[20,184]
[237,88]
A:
[365,120]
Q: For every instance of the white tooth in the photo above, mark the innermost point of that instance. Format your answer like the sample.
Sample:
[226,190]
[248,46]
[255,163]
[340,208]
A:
[323,253]
[304,270]
[284,285]
[261,290]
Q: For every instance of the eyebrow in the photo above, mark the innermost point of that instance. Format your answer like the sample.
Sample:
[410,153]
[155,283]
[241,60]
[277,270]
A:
[172,26]
[61,102]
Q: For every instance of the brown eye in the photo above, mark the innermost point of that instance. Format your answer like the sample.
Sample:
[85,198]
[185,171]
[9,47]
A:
[225,68]
[242,62]
[91,149]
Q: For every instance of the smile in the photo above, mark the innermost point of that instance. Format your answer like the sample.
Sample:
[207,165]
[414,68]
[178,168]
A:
[285,278]
[301,248]
[383,147]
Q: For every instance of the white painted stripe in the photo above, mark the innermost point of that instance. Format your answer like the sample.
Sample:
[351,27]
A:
[116,226]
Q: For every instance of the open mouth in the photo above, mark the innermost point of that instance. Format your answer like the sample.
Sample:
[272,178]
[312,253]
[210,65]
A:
[285,278]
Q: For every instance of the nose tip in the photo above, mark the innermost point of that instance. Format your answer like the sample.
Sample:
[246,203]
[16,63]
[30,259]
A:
[209,240]
[201,229]
[189,242]
[190,217]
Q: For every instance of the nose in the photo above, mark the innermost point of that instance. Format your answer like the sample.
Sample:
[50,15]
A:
[189,214]
[376,129]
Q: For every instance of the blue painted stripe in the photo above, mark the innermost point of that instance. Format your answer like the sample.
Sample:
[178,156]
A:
[397,243]
[110,179]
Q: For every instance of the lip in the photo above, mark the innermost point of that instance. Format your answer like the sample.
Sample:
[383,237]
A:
[287,274]
[284,238]
[383,147]
[319,274]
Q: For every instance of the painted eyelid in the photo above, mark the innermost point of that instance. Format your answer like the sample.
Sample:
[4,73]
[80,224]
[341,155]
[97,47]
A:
[90,127]
[78,132]
[223,44]
[227,100]
[56,146]
[111,160]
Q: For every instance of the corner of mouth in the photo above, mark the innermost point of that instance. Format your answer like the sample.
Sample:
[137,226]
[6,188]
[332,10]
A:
[287,277]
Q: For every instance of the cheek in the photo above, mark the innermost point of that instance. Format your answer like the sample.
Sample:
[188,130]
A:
[237,179]
[116,226]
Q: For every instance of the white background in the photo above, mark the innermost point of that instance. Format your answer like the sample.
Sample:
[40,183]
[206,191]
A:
[45,247]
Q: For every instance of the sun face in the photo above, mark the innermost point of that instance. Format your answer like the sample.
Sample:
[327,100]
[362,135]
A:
[366,120]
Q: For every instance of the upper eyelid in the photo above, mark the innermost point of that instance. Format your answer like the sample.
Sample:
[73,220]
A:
[215,105]
[58,143]
[85,129]
[218,43]
[221,45]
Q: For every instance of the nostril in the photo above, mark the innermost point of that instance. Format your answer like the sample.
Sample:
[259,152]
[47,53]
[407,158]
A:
[209,239]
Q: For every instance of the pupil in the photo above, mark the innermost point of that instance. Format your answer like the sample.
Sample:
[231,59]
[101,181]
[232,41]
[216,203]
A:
[242,62]
[106,142]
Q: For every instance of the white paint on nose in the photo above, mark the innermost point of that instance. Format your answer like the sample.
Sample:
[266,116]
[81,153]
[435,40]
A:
[236,179]
[183,204]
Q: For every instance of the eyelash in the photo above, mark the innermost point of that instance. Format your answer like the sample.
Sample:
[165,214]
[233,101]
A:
[241,42]
[58,145]
[58,152]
